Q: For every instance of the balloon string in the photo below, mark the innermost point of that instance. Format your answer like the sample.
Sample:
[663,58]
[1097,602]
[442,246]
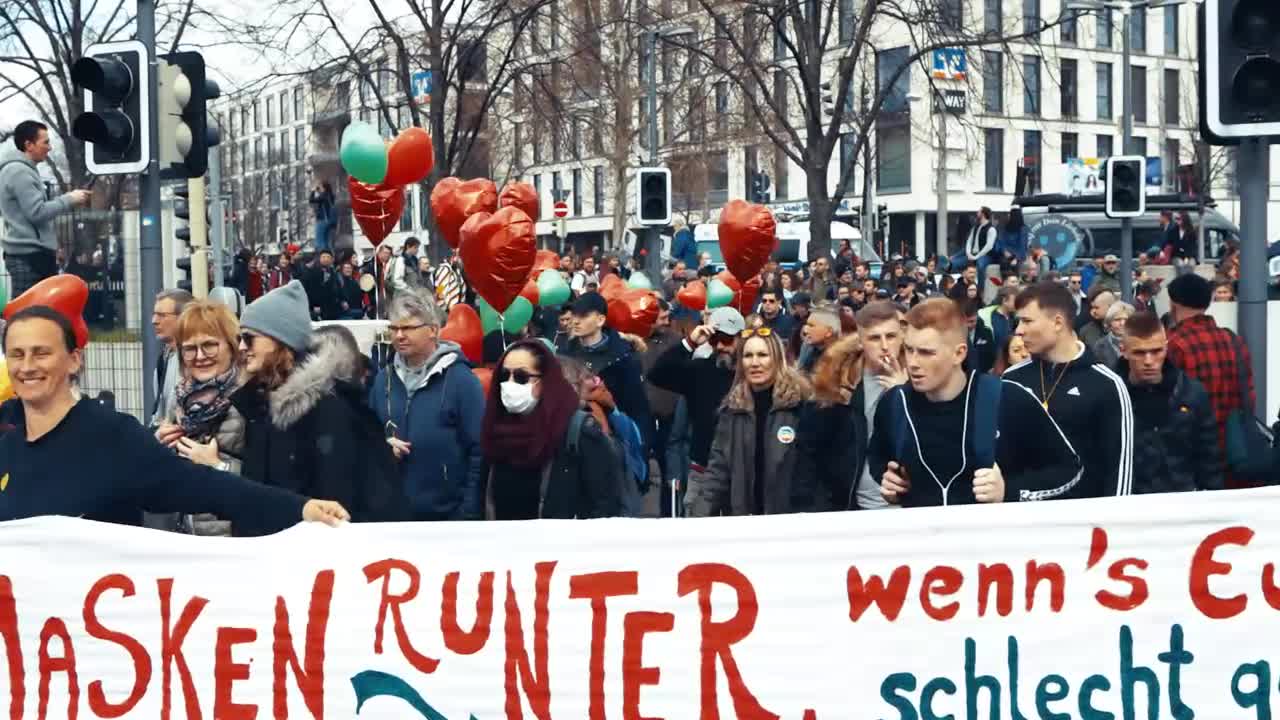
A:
[502,331]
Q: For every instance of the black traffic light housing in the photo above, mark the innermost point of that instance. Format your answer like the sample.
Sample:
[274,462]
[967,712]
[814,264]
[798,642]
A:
[1126,186]
[185,131]
[653,196]
[116,123]
[1239,77]
[182,211]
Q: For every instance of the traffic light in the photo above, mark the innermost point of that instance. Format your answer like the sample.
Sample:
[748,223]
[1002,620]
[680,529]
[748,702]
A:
[186,134]
[1240,71]
[1126,186]
[882,217]
[116,123]
[653,196]
[182,211]
[759,187]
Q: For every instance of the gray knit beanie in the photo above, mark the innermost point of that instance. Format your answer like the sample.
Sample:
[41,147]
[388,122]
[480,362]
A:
[281,314]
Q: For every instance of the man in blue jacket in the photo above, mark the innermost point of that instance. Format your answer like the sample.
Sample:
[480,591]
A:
[431,405]
[613,359]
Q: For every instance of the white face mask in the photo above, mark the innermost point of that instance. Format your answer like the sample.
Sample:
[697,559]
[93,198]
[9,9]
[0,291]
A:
[517,398]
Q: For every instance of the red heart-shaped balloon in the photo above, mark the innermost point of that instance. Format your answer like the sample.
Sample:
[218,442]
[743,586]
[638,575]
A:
[377,208]
[67,294]
[521,195]
[693,295]
[612,287]
[545,260]
[464,327]
[634,312]
[745,298]
[453,201]
[530,291]
[409,158]
[748,236]
[497,252]
[729,279]
[485,376]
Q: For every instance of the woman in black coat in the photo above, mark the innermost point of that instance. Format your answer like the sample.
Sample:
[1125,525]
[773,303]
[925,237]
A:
[833,430]
[548,458]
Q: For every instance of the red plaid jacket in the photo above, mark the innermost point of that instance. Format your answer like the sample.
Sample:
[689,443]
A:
[1210,354]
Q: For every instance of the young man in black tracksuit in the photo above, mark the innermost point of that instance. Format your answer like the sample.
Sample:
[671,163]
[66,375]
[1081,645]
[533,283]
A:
[609,356]
[952,436]
[1086,402]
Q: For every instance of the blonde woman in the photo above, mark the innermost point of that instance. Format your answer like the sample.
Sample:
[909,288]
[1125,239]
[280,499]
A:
[755,454]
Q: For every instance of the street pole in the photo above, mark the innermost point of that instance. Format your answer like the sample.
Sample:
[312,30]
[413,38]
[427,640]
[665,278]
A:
[151,253]
[942,224]
[199,238]
[1126,224]
[653,235]
[216,230]
[1254,175]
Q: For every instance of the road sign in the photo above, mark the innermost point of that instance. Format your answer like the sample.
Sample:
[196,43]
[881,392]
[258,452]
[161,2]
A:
[422,86]
[950,64]
[561,209]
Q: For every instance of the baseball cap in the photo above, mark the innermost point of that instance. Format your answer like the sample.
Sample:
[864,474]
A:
[589,303]
[1110,259]
[727,321]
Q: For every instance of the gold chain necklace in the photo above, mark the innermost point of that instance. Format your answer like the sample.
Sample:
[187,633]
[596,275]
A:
[1044,398]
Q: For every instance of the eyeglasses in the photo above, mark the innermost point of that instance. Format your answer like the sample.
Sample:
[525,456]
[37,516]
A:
[757,332]
[519,375]
[208,348]
[247,337]
[393,329]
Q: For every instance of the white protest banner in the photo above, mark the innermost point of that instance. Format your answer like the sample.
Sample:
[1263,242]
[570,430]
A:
[1138,607]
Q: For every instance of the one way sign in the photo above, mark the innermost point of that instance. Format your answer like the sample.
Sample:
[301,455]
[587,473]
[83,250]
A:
[422,86]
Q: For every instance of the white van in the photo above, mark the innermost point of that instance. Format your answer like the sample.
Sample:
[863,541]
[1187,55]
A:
[793,243]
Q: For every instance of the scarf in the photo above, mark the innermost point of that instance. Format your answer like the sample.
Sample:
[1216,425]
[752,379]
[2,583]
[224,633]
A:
[204,403]
[530,441]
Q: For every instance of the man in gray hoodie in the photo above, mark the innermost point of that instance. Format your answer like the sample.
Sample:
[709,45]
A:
[30,241]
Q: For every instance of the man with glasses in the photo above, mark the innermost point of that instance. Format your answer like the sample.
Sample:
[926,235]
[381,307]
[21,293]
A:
[774,316]
[431,406]
[164,320]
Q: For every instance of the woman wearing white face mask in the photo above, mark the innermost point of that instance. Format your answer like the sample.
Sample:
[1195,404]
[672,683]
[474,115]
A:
[548,457]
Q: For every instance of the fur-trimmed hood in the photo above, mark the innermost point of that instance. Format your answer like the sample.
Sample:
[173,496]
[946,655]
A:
[327,363]
[789,390]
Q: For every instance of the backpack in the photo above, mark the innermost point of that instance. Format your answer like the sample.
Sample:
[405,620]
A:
[986,418]
[628,435]
[631,493]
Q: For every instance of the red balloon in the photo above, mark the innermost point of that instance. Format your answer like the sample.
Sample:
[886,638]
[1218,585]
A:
[729,279]
[409,158]
[521,195]
[497,252]
[463,327]
[67,294]
[545,260]
[530,291]
[377,208]
[612,287]
[485,376]
[748,235]
[634,312]
[454,200]
[745,298]
[693,295]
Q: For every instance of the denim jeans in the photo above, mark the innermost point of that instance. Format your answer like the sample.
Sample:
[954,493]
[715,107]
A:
[323,229]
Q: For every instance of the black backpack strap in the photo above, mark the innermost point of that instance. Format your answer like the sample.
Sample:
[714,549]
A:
[986,419]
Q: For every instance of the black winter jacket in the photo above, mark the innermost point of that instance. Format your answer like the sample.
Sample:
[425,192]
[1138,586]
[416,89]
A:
[833,444]
[1175,434]
[617,364]
[703,384]
[583,484]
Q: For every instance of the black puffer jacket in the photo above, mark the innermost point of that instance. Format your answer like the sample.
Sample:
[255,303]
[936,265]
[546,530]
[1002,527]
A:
[1175,434]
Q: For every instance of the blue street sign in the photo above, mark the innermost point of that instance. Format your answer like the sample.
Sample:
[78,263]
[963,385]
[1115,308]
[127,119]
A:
[1155,171]
[950,64]
[422,85]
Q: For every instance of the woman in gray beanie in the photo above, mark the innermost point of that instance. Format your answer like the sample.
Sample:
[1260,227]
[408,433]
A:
[302,402]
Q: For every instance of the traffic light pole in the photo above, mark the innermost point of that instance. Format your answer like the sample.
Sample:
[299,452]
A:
[653,235]
[151,253]
[216,216]
[1126,224]
[1254,176]
[199,238]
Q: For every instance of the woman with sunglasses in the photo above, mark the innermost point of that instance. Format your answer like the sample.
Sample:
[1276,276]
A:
[207,429]
[548,457]
[755,456]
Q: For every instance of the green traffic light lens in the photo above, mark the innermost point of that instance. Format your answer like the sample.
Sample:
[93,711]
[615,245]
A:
[1255,24]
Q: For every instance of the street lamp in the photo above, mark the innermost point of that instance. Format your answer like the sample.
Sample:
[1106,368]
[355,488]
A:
[653,236]
[940,180]
[1126,8]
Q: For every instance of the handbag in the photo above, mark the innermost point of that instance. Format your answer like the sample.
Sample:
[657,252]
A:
[1249,440]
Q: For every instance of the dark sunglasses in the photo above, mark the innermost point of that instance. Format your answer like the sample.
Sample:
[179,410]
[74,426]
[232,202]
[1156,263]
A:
[247,337]
[519,375]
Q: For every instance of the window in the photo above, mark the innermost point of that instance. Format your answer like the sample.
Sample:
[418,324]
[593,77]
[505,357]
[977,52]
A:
[1172,158]
[537,188]
[257,115]
[1070,82]
[537,145]
[597,190]
[994,154]
[555,28]
[846,20]
[286,189]
[1172,98]
[557,188]
[718,178]
[1138,29]
[575,138]
[284,147]
[1031,84]
[1070,147]
[272,158]
[952,14]
[1030,16]
[993,82]
[271,113]
[257,154]
[722,108]
[298,110]
[1139,146]
[888,63]
[1139,80]
[1106,27]
[517,150]
[1031,158]
[300,143]
[556,137]
[1171,30]
[780,40]
[1106,147]
[780,93]
[993,16]
[697,115]
[1069,27]
[1103,84]
[406,215]
[781,173]
[894,157]
[577,192]
[284,108]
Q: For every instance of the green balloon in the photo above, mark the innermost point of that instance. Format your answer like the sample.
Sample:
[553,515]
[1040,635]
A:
[718,294]
[552,289]
[4,295]
[489,320]
[363,154]
[518,315]
[639,281]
